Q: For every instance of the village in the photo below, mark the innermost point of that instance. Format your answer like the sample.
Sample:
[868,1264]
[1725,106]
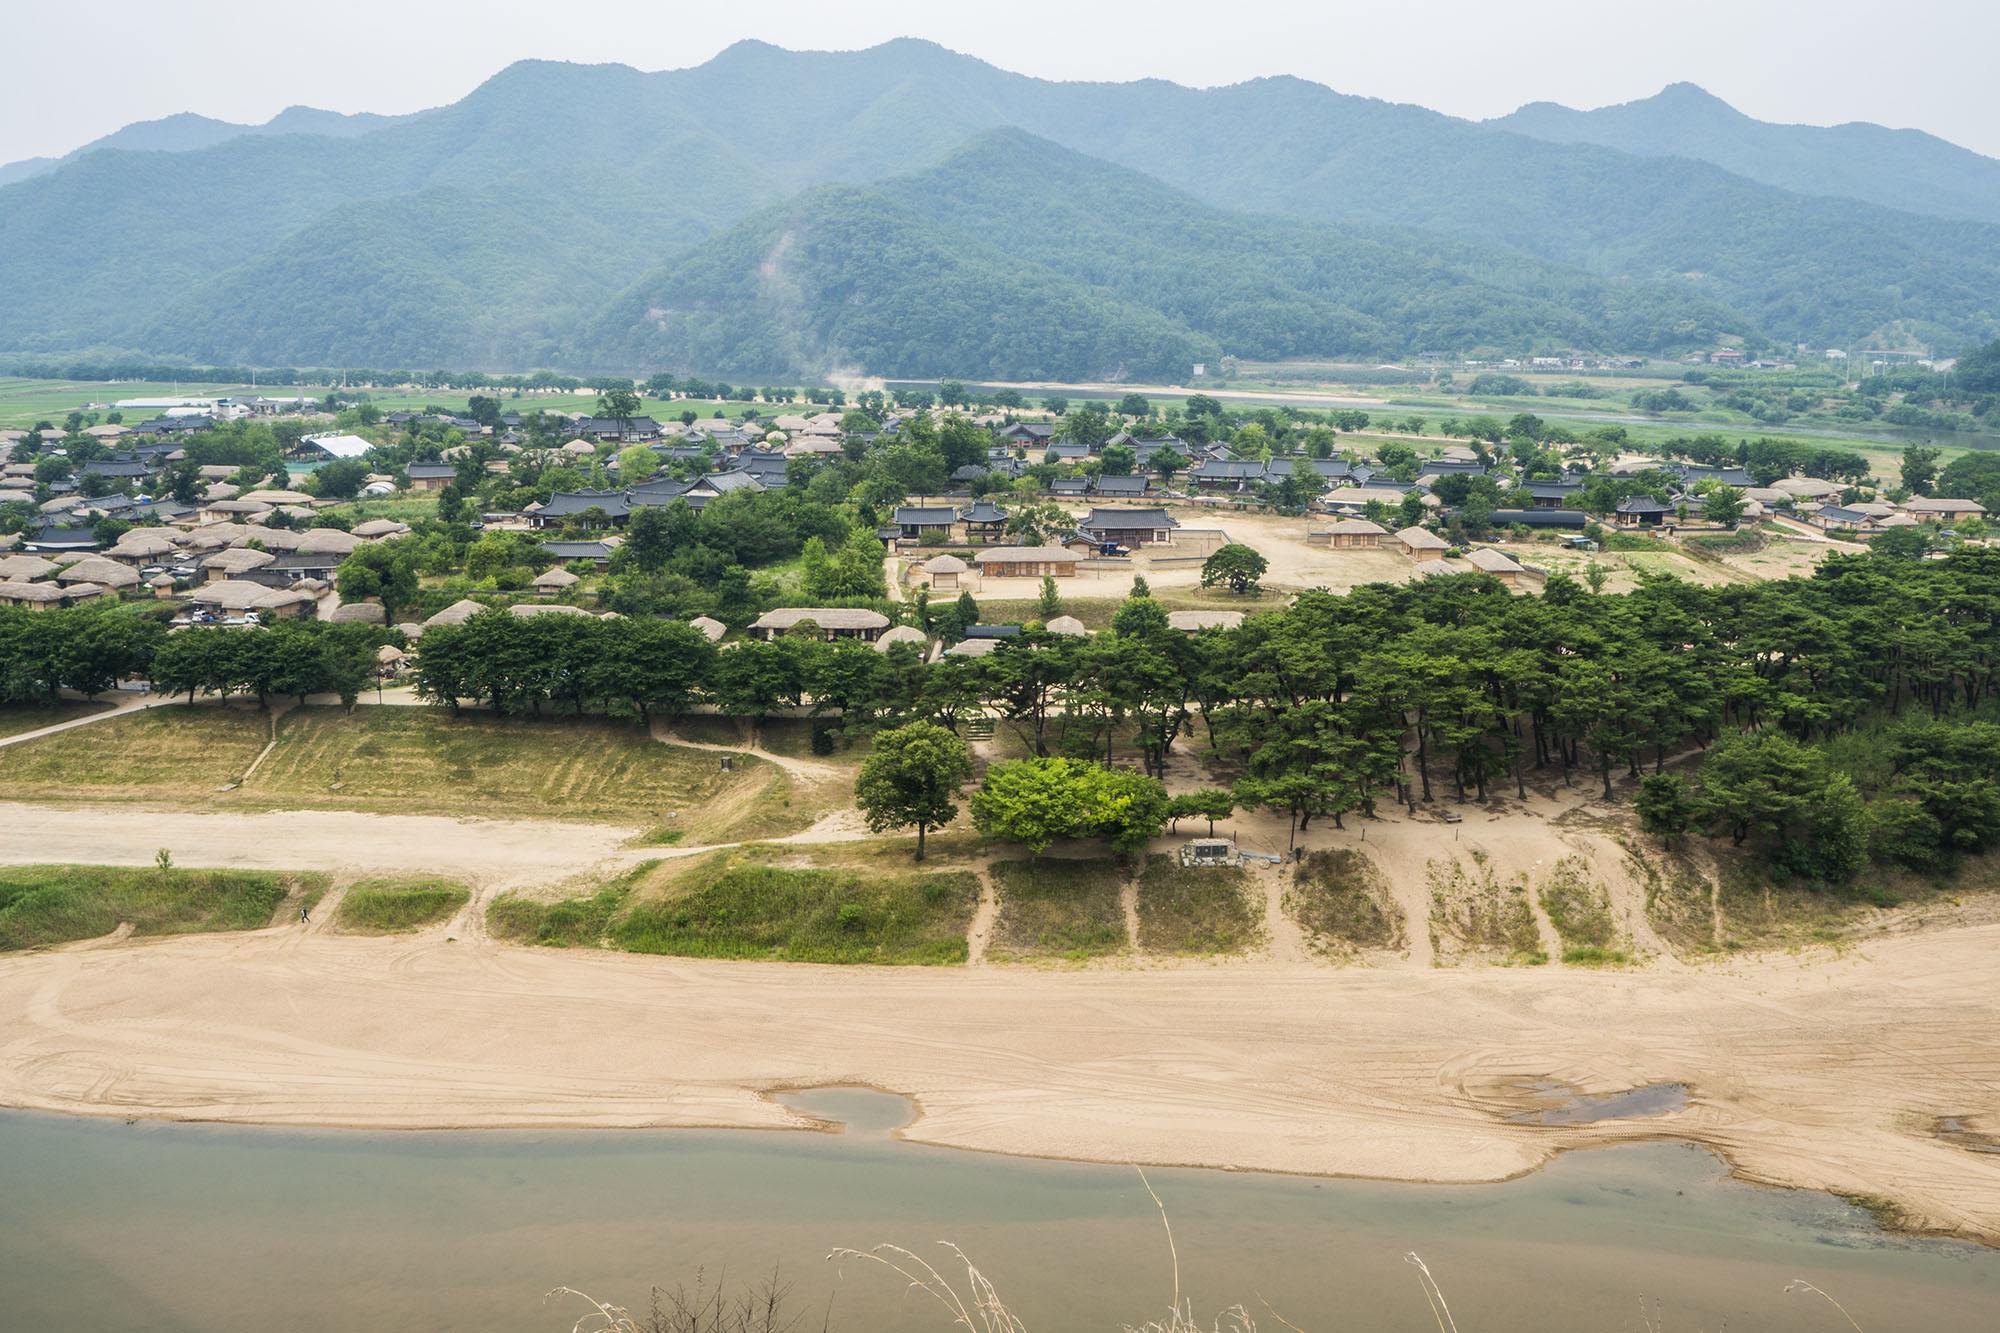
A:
[1039,504]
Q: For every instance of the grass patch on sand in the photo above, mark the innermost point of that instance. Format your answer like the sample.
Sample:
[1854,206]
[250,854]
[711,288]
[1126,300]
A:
[1474,917]
[389,906]
[572,922]
[1195,910]
[17,718]
[1058,909]
[733,905]
[44,905]
[736,904]
[1579,908]
[1339,899]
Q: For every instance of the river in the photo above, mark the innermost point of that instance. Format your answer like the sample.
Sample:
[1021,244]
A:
[164,1227]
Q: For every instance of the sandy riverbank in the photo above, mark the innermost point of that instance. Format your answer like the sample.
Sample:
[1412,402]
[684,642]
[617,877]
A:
[1823,1072]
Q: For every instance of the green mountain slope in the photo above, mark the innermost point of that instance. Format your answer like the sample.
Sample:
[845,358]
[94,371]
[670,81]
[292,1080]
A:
[493,229]
[1017,258]
[1901,169]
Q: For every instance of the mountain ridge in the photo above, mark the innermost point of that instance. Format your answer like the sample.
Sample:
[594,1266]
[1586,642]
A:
[508,224]
[1906,169]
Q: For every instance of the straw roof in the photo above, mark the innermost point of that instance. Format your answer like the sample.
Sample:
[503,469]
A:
[97,569]
[557,578]
[161,580]
[242,595]
[1066,625]
[456,614]
[1422,540]
[275,539]
[712,628]
[389,654]
[947,564]
[1434,568]
[358,613]
[526,609]
[972,648]
[275,497]
[410,630]
[1022,555]
[1352,527]
[1190,621]
[24,568]
[11,591]
[238,559]
[826,617]
[236,507]
[1493,562]
[900,634]
[143,542]
[328,541]
[380,527]
[220,490]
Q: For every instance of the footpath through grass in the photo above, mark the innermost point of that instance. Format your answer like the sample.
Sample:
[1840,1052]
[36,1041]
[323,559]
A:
[736,905]
[389,906]
[54,904]
[17,718]
[1058,909]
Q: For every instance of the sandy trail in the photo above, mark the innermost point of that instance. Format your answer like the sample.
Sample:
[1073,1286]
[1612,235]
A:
[344,842]
[1823,1073]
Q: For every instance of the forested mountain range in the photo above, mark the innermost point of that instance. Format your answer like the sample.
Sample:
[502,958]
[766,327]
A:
[186,130]
[909,210]
[1905,169]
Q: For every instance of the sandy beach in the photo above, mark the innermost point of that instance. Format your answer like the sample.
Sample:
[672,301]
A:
[1816,1070]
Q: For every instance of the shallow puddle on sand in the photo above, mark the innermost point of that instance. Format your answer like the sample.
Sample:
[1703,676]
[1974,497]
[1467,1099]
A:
[1553,1103]
[867,1113]
[1956,1132]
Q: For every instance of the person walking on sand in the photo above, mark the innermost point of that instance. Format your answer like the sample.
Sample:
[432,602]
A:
[305,917]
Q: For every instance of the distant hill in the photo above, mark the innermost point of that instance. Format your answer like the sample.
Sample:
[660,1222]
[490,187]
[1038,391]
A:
[1902,169]
[187,131]
[518,226]
[1016,258]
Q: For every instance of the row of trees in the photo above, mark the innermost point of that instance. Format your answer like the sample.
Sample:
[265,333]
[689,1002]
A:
[1395,692]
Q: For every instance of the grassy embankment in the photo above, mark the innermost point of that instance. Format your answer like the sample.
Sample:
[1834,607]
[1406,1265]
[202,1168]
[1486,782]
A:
[17,718]
[412,761]
[1206,910]
[53,904]
[741,904]
[1052,908]
[389,906]
[1340,900]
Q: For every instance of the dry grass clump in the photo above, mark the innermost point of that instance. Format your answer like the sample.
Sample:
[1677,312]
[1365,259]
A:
[1579,908]
[1053,908]
[1474,917]
[1339,898]
[1196,910]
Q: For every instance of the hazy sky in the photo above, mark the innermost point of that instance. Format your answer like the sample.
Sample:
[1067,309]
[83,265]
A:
[82,68]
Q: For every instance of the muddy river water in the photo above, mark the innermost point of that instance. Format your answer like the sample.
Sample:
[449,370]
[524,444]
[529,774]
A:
[113,1226]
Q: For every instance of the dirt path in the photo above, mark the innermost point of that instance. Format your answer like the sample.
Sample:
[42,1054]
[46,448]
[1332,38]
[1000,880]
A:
[346,843]
[979,934]
[808,770]
[1284,941]
[125,707]
[1820,1071]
